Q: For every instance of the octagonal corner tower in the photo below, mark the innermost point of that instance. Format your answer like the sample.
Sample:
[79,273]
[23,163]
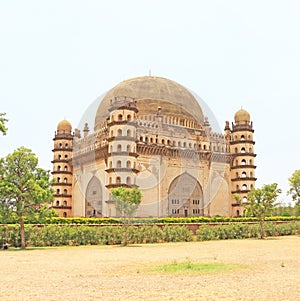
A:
[150,93]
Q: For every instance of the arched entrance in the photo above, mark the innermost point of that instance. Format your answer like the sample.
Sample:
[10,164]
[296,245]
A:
[185,197]
[93,198]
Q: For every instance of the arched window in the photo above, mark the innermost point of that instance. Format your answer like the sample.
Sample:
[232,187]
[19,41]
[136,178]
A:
[65,180]
[236,150]
[190,145]
[128,117]
[250,162]
[57,191]
[110,148]
[244,175]
[141,139]
[179,143]
[128,133]
[146,139]
[128,181]
[65,203]
[120,117]
[236,174]
[243,162]
[118,180]
[119,148]
[65,191]
[237,187]
[151,140]
[65,214]
[242,137]
[128,148]
[58,167]
[244,187]
[58,180]
[119,132]
[111,133]
[128,164]
[66,168]
[60,145]
[251,174]
[204,146]
[66,145]
[57,203]
[244,200]
[59,157]
[162,141]
[250,149]
[243,150]
[66,157]
[184,144]
[119,164]
[238,213]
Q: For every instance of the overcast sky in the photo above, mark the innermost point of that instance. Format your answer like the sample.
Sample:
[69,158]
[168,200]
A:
[57,57]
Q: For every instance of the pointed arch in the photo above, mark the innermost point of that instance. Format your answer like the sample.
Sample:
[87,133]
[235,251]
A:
[185,196]
[93,198]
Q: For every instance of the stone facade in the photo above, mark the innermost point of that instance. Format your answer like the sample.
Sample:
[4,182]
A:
[151,133]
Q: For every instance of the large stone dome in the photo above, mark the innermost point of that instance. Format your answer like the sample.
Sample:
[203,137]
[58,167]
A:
[151,92]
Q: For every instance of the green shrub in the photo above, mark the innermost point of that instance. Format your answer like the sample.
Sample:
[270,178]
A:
[240,231]
[177,233]
[61,235]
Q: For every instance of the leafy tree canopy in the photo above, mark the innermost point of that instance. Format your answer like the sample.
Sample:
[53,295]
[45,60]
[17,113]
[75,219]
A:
[3,129]
[295,186]
[261,202]
[24,188]
[127,200]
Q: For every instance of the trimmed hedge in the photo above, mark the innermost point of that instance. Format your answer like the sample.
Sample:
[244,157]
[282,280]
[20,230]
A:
[240,231]
[166,220]
[62,235]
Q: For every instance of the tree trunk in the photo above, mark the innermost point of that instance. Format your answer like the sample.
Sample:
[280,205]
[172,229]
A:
[22,229]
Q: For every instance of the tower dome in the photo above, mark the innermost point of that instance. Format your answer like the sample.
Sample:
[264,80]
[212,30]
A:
[64,126]
[242,116]
[151,92]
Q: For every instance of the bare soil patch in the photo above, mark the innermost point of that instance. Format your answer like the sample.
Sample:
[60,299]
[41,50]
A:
[269,270]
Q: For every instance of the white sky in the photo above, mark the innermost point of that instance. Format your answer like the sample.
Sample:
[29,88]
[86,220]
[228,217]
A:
[57,57]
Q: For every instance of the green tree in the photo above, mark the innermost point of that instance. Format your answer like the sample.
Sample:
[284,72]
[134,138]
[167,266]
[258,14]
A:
[295,188]
[127,201]
[261,203]
[24,188]
[3,129]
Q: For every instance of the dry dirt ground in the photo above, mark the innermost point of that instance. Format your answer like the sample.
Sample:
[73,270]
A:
[269,270]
